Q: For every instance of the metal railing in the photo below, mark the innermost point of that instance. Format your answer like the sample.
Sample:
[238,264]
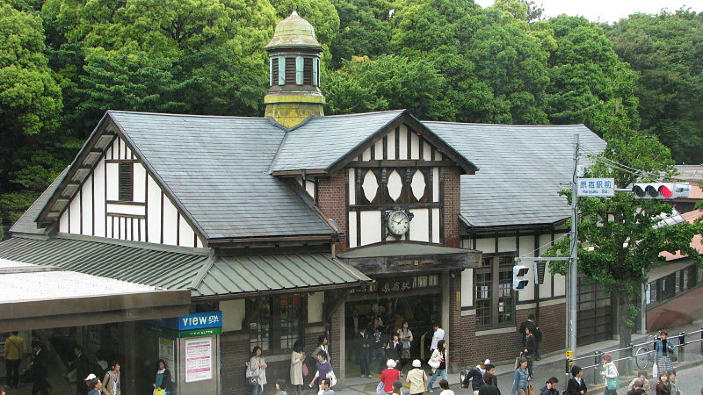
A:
[628,353]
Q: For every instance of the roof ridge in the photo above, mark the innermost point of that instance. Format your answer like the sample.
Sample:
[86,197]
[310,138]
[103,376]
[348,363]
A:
[503,124]
[185,115]
[358,114]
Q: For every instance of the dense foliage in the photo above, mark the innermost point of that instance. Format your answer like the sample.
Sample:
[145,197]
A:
[64,62]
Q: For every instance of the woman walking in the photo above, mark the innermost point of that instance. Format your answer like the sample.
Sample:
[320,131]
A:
[162,381]
[664,349]
[406,338]
[610,375]
[438,363]
[521,378]
[417,379]
[390,376]
[297,358]
[111,381]
[257,369]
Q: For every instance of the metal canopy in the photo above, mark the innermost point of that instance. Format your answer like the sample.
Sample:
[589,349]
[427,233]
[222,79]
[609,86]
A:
[35,297]
[396,258]
[265,274]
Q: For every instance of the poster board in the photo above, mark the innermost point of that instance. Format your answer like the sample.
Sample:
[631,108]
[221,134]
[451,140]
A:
[198,359]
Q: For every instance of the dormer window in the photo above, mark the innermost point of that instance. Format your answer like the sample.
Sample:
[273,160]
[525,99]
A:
[299,70]
[126,182]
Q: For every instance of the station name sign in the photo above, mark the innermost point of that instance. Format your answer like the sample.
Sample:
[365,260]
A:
[602,187]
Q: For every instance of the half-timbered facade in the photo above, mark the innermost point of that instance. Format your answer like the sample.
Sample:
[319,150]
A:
[298,224]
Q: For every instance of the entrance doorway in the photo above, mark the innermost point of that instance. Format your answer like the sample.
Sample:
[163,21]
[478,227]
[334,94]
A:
[419,309]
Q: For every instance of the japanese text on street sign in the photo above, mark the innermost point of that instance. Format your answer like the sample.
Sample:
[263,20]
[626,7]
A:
[569,354]
[595,186]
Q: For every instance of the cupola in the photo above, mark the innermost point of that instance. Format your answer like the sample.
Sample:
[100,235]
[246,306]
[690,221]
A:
[294,72]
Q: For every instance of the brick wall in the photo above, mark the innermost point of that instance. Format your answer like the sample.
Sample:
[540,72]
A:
[332,201]
[450,186]
[235,353]
[468,349]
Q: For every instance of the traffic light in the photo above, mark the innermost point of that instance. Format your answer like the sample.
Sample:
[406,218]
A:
[661,190]
[520,280]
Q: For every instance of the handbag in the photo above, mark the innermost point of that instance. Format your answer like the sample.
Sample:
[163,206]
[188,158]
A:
[159,391]
[252,375]
[305,369]
[530,390]
[612,383]
[380,388]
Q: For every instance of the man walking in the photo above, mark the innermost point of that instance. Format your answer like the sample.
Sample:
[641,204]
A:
[80,365]
[14,349]
[39,369]
[436,336]
[536,332]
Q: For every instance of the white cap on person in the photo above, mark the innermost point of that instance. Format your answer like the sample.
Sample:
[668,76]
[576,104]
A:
[390,363]
[90,377]
[417,363]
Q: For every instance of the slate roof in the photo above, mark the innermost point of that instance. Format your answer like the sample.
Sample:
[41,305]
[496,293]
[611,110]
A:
[217,168]
[522,168]
[321,141]
[159,267]
[261,273]
[25,224]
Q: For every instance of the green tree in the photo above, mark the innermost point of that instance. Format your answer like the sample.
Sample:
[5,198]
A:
[389,82]
[667,52]
[364,29]
[619,237]
[30,105]
[588,83]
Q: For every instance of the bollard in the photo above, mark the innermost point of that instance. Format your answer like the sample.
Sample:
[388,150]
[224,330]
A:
[682,345]
[630,363]
[701,340]
[598,362]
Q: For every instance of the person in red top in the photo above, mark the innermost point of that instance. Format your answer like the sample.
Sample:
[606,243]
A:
[389,376]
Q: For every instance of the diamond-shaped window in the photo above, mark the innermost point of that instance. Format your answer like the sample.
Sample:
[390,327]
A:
[418,185]
[370,186]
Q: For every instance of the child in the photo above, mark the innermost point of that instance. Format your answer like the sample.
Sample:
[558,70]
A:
[280,387]
[444,386]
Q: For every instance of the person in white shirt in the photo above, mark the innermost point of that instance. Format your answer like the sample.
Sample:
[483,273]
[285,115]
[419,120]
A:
[444,386]
[436,336]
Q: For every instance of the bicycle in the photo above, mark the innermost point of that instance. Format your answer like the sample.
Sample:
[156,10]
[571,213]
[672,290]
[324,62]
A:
[644,356]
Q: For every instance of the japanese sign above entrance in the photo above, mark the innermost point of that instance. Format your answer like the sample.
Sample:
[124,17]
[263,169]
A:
[595,187]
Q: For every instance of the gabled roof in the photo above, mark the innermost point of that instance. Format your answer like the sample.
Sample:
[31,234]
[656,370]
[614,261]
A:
[215,169]
[323,144]
[26,223]
[522,170]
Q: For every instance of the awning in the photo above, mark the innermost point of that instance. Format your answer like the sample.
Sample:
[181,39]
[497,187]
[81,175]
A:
[394,258]
[35,297]
[155,265]
[281,273]
[666,269]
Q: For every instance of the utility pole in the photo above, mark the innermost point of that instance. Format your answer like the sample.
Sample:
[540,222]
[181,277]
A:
[572,297]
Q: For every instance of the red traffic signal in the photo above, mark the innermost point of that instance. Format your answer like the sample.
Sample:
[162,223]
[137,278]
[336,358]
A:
[661,190]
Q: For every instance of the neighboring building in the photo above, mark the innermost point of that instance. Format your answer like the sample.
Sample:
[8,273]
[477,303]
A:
[301,224]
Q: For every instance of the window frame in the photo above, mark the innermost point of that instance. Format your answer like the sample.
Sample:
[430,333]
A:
[125,193]
[492,265]
[273,324]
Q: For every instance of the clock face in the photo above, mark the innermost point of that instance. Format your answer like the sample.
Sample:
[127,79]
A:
[398,223]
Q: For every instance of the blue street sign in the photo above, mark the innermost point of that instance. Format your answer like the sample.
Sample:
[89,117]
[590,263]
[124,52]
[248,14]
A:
[589,187]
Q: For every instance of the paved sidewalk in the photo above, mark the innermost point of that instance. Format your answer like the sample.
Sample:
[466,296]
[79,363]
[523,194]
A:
[552,364]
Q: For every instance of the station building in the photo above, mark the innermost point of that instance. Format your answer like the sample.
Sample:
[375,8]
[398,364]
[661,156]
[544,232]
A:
[297,224]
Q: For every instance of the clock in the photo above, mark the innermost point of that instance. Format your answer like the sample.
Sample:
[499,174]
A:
[398,222]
